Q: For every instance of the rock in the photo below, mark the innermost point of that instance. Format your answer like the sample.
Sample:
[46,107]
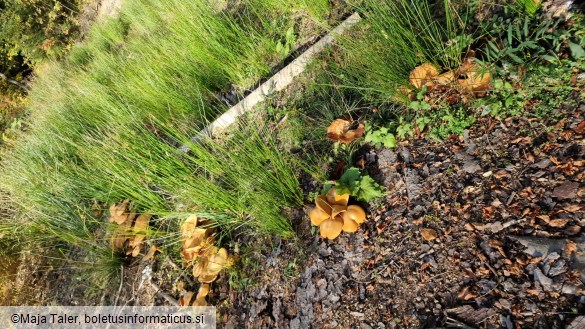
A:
[470,315]
[471,166]
[544,281]
[295,324]
[542,164]
[569,289]
[333,298]
[324,251]
[537,247]
[357,314]
[577,323]
[560,267]
[406,156]
[567,190]
[412,181]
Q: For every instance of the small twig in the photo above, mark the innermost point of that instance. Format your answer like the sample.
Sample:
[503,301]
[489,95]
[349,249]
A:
[378,272]
[513,222]
[121,284]
[452,323]
[511,198]
[14,82]
[164,295]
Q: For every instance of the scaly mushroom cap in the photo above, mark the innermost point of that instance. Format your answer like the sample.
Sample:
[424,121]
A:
[331,228]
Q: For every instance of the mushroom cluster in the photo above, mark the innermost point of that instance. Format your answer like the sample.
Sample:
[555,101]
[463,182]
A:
[333,215]
[131,230]
[468,80]
[199,249]
[187,298]
[345,131]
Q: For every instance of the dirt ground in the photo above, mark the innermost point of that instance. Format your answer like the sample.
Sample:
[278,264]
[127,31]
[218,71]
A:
[506,202]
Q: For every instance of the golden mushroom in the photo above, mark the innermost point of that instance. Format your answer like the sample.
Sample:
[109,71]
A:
[210,262]
[201,294]
[345,131]
[333,216]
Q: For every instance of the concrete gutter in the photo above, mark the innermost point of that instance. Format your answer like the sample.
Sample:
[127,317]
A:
[277,82]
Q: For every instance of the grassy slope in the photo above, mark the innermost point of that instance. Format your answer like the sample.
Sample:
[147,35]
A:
[105,123]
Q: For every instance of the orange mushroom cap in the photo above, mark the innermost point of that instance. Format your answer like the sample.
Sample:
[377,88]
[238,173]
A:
[355,213]
[331,228]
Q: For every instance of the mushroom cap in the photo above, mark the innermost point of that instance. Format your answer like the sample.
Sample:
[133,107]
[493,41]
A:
[207,277]
[185,300]
[118,212]
[217,262]
[341,130]
[355,213]
[203,290]
[447,78]
[317,216]
[333,198]
[349,225]
[189,226]
[321,202]
[337,128]
[200,268]
[331,228]
[422,74]
[337,210]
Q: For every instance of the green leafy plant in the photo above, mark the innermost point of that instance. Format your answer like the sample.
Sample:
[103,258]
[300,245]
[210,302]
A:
[380,137]
[284,48]
[363,187]
[530,7]
[520,40]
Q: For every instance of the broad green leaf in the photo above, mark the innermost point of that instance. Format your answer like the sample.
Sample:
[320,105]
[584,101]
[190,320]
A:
[576,50]
[369,189]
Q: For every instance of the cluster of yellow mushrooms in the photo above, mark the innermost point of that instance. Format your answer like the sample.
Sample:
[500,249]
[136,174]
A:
[208,260]
[333,215]
[131,230]
[470,79]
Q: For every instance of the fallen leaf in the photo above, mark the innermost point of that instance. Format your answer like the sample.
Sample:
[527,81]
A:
[580,127]
[559,222]
[570,248]
[428,234]
[466,294]
[572,207]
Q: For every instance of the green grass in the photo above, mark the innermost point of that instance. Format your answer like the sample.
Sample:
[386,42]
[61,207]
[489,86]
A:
[105,123]
[397,36]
